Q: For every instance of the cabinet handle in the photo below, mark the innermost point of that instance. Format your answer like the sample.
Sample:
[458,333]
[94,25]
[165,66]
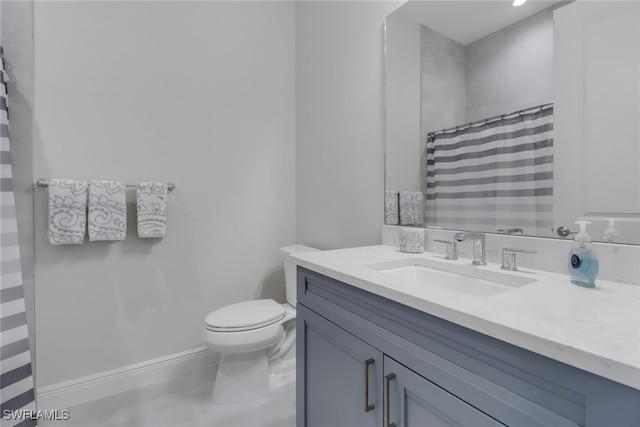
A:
[367,406]
[385,400]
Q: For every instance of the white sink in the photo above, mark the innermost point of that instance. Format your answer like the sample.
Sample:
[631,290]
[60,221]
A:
[422,273]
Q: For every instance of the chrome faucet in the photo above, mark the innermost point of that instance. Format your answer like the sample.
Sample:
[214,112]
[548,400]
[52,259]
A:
[478,245]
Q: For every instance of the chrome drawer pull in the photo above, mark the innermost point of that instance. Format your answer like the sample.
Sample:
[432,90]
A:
[367,406]
[385,400]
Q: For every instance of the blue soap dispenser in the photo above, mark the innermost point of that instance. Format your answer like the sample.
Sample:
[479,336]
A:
[583,261]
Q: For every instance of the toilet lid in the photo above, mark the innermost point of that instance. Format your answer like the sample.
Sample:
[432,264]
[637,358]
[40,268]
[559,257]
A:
[246,315]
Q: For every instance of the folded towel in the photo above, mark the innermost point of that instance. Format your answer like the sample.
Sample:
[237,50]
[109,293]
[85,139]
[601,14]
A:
[391,207]
[67,211]
[411,208]
[152,209]
[412,240]
[107,210]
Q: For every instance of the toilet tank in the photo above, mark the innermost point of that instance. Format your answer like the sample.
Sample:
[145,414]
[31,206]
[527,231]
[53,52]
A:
[290,269]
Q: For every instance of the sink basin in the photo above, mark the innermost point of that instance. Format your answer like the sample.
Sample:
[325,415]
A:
[422,274]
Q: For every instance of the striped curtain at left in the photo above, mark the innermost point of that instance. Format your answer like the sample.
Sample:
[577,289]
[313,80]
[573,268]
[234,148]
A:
[16,382]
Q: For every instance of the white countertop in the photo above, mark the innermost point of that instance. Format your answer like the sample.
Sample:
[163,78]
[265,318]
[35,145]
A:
[594,329]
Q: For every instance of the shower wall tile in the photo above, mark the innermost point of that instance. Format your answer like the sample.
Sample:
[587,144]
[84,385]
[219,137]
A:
[443,76]
[486,72]
[23,193]
[20,123]
[511,69]
[529,82]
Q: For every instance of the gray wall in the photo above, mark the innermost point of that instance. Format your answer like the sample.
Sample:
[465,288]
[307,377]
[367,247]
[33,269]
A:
[443,77]
[340,122]
[506,71]
[511,69]
[200,93]
[402,102]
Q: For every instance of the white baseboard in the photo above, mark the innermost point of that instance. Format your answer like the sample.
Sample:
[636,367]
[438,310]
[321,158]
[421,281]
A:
[81,390]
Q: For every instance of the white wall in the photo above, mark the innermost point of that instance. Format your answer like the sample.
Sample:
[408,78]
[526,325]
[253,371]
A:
[200,93]
[340,122]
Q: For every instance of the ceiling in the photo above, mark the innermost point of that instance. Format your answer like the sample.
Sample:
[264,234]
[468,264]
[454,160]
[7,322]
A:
[468,21]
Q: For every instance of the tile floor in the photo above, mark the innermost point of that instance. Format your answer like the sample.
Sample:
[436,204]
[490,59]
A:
[185,402]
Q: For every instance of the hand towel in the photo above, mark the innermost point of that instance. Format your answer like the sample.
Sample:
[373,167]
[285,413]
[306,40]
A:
[107,210]
[412,240]
[67,211]
[152,209]
[391,207]
[411,208]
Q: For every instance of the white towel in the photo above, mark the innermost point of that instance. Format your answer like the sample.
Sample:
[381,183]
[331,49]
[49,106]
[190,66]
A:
[152,209]
[67,211]
[391,207]
[107,210]
[411,208]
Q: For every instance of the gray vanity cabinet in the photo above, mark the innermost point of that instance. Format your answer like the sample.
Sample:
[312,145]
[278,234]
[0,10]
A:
[431,372]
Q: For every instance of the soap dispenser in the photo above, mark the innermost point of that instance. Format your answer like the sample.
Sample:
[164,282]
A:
[611,235]
[583,261]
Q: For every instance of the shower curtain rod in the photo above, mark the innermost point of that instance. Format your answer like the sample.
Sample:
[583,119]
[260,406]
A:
[485,121]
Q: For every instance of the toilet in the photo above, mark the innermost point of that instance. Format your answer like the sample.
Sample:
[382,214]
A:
[256,340]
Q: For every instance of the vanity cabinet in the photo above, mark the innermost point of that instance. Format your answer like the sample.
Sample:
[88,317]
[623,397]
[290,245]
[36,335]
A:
[363,360]
[346,376]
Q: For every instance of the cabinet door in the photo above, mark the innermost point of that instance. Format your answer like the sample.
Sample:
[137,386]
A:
[333,374]
[417,402]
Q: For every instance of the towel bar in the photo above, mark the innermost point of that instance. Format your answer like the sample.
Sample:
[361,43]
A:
[43,183]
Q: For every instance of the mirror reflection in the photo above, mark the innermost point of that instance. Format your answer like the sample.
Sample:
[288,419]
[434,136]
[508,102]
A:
[517,120]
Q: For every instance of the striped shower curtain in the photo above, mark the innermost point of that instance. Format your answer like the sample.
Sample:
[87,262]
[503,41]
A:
[493,177]
[17,400]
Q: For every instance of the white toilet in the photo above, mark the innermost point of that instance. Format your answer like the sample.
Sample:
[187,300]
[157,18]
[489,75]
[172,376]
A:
[257,342]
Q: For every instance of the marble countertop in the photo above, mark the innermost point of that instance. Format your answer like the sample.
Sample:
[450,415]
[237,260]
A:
[594,329]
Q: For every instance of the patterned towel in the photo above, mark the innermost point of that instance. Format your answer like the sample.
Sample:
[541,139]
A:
[152,209]
[391,207]
[107,210]
[411,208]
[67,211]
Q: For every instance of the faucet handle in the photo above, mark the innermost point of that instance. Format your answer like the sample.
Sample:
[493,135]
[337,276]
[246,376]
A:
[509,257]
[452,248]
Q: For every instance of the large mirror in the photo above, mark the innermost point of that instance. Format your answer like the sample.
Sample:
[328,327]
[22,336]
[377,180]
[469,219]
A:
[517,120]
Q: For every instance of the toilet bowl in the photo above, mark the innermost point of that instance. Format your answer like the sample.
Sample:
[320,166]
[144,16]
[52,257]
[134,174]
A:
[256,340]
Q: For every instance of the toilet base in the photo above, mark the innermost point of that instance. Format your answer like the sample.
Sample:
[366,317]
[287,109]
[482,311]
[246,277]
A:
[248,376]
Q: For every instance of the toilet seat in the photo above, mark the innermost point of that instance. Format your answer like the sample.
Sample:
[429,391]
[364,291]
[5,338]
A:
[245,316]
[246,326]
